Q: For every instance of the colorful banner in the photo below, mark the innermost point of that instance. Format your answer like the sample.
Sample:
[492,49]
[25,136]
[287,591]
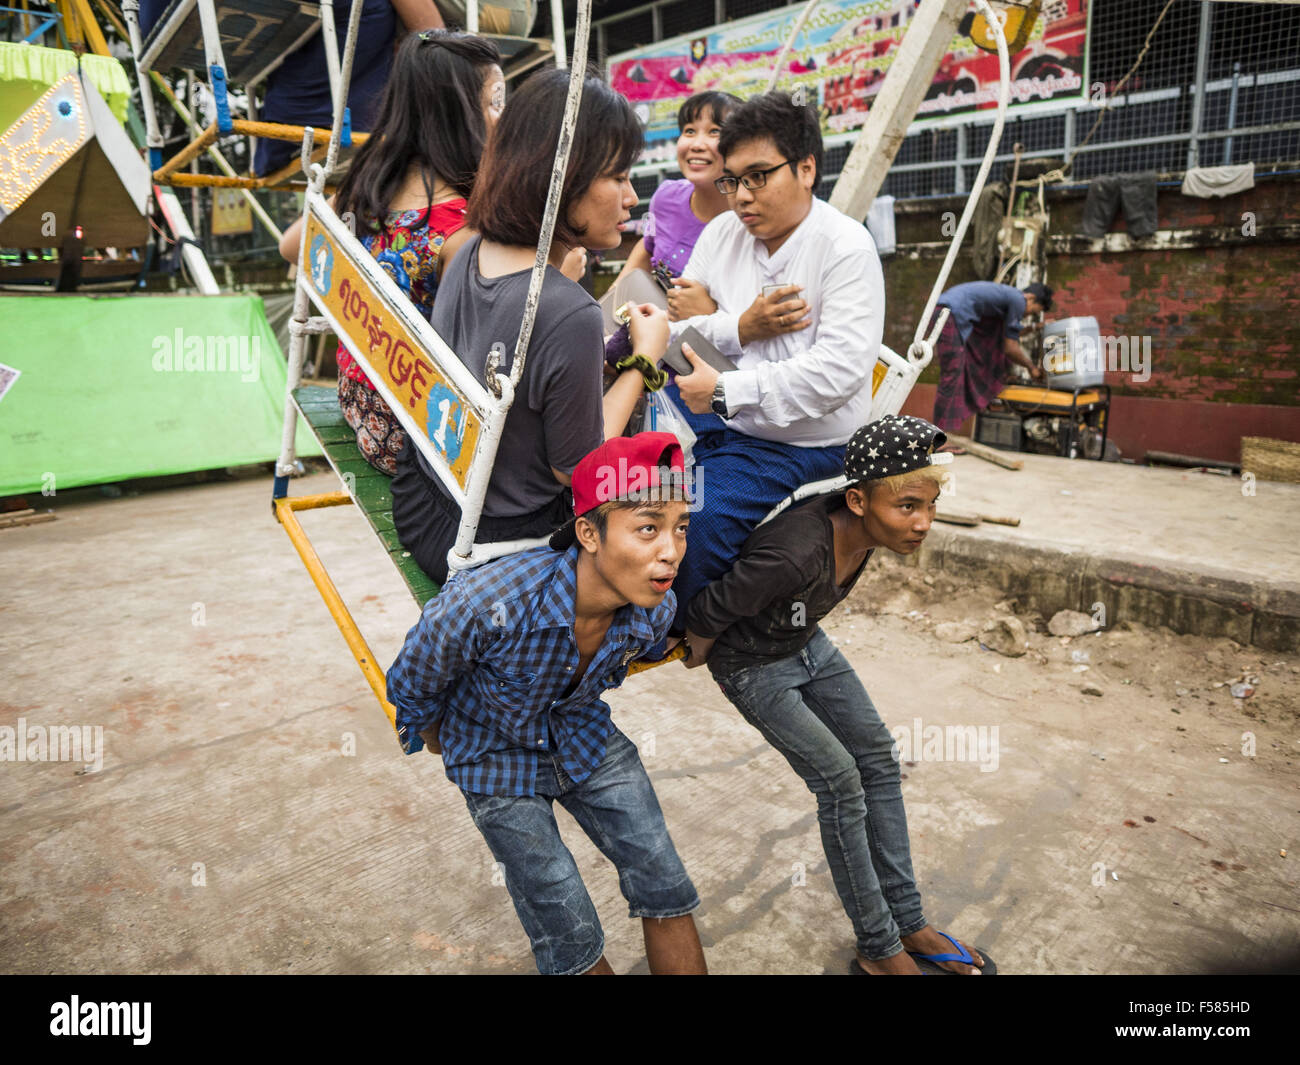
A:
[841,58]
[369,320]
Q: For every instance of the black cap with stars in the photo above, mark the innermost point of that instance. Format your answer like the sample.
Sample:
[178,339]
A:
[896,443]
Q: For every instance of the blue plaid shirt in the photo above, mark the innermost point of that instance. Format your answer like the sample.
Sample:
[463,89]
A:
[489,661]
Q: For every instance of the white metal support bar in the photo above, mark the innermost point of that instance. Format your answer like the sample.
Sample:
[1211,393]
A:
[153,137]
[929,33]
[1198,100]
[558,44]
[216,61]
[922,349]
[174,215]
[329,37]
[301,299]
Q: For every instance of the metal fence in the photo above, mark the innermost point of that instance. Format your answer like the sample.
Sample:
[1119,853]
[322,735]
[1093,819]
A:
[1219,84]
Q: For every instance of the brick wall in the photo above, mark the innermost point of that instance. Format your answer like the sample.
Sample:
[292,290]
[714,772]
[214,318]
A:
[1223,316]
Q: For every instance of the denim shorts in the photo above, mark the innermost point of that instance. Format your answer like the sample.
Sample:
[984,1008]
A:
[617,809]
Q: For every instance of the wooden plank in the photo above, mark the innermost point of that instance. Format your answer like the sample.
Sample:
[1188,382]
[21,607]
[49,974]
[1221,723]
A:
[370,488]
[422,588]
[389,539]
[323,415]
[315,396]
[988,454]
[955,517]
[347,459]
[336,434]
[374,494]
[26,519]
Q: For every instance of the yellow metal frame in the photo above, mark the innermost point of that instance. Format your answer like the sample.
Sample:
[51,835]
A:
[168,173]
[1048,397]
[640,667]
[80,26]
[286,514]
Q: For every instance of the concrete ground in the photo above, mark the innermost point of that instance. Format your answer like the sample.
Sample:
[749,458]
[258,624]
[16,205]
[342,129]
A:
[230,829]
[1181,518]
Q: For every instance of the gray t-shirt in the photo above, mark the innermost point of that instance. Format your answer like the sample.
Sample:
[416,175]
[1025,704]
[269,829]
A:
[556,416]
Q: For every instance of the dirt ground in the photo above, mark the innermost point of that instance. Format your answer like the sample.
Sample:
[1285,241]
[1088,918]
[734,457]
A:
[1193,674]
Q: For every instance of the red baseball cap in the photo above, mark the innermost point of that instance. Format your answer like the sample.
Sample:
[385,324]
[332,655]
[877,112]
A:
[621,468]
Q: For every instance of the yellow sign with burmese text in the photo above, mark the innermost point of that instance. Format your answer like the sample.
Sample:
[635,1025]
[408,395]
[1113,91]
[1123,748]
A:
[365,320]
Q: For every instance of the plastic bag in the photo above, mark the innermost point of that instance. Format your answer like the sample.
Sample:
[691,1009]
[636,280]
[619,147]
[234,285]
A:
[662,416]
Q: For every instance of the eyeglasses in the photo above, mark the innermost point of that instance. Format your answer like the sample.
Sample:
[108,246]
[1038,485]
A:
[753,181]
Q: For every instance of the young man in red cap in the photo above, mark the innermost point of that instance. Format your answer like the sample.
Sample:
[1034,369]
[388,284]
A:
[756,626]
[506,668]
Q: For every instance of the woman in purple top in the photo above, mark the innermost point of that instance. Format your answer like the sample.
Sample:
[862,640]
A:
[680,209]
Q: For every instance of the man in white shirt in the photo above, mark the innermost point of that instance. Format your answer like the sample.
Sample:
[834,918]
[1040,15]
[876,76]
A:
[798,302]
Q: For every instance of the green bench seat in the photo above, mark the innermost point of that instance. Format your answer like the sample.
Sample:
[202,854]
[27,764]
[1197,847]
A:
[371,490]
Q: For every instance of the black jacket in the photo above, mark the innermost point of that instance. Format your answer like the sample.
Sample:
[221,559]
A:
[768,605]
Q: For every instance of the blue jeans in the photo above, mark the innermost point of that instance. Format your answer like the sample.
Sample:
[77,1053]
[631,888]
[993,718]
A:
[617,808]
[813,709]
[739,479]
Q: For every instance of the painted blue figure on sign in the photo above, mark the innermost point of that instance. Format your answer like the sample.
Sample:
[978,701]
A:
[322,264]
[446,421]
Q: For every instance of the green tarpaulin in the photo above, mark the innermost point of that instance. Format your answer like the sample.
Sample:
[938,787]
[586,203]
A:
[114,387]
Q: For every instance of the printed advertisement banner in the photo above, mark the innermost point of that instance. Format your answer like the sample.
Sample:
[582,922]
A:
[840,59]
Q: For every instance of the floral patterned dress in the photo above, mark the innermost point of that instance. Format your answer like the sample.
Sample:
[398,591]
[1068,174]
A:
[406,245]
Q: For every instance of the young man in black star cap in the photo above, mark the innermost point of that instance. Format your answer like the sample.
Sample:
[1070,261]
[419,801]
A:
[756,627]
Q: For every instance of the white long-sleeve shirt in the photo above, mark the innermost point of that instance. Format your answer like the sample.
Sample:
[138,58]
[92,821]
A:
[812,387]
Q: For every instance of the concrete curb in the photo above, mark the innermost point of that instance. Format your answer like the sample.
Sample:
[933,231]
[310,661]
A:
[1049,577]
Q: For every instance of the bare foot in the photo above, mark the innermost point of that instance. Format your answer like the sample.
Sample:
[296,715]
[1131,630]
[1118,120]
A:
[929,941]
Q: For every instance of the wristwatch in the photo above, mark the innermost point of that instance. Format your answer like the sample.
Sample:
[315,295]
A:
[719,404]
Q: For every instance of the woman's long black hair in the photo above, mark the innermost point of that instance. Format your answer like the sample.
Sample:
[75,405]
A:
[431,115]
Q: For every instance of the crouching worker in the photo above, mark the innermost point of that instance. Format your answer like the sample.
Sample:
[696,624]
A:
[506,669]
[757,627]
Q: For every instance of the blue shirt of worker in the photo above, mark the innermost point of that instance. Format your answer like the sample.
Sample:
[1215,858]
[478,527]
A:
[985,299]
[492,662]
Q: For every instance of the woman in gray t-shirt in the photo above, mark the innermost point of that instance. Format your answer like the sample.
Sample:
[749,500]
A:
[558,413]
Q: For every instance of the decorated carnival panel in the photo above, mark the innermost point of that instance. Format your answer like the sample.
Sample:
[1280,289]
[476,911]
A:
[374,320]
[841,58]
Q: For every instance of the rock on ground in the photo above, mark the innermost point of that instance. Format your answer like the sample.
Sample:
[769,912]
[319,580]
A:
[1071,623]
[1005,635]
